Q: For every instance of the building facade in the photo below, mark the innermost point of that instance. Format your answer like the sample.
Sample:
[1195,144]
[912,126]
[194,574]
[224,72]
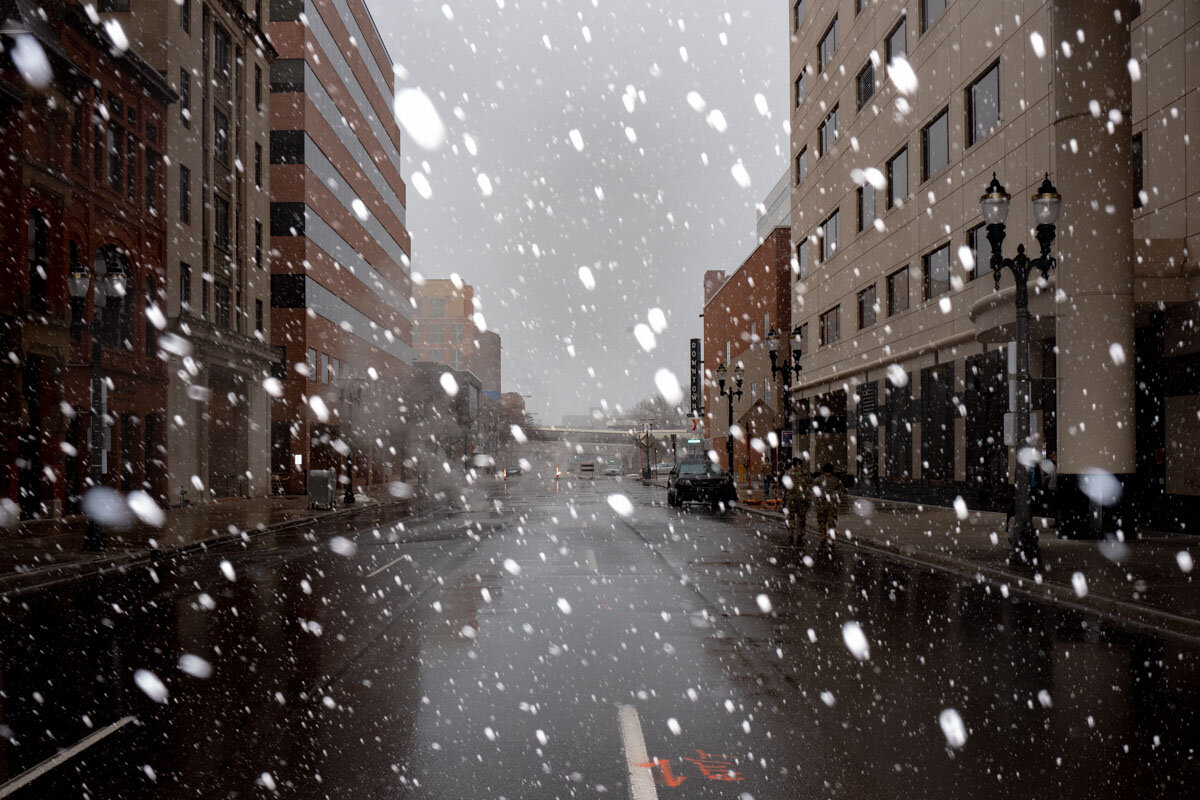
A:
[83,142]
[739,312]
[485,363]
[340,282]
[217,58]
[444,331]
[905,382]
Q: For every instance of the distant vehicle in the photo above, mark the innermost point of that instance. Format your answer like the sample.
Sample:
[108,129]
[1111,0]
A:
[699,480]
[510,472]
[663,467]
[612,471]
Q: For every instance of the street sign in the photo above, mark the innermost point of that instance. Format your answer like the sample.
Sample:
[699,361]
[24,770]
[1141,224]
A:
[696,400]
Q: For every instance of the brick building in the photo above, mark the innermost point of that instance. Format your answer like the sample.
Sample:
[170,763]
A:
[444,331]
[82,141]
[340,283]
[738,313]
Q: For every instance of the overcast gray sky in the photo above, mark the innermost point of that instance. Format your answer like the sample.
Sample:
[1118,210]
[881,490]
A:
[515,77]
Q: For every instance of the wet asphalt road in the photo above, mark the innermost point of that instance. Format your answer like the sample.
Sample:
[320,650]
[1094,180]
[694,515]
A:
[550,654]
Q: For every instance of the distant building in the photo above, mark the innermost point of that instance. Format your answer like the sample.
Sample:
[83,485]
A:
[485,363]
[776,210]
[514,403]
[444,329]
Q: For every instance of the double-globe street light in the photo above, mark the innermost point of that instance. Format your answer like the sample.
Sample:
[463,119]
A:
[112,289]
[1023,545]
[739,375]
[787,368]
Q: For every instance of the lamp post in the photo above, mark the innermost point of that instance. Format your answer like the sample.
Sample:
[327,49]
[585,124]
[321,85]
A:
[1023,545]
[787,368]
[738,375]
[112,289]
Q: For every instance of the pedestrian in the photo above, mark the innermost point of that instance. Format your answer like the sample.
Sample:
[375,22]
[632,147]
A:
[798,494]
[829,493]
[768,479]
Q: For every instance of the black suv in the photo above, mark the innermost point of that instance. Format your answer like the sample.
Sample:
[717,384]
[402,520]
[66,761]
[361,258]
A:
[699,480]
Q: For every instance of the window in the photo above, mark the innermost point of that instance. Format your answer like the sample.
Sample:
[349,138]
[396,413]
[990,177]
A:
[980,249]
[897,41]
[897,175]
[335,368]
[866,84]
[149,332]
[222,305]
[802,257]
[185,15]
[38,233]
[866,206]
[930,11]
[831,326]
[1137,156]
[114,5]
[220,56]
[983,105]
[827,47]
[804,338]
[185,98]
[829,237]
[77,137]
[97,150]
[312,364]
[185,195]
[897,291]
[801,88]
[325,368]
[437,307]
[435,334]
[115,146]
[258,155]
[456,333]
[221,137]
[937,272]
[859,5]
[185,286]
[801,165]
[935,140]
[258,245]
[205,283]
[258,315]
[221,223]
[829,131]
[435,355]
[258,92]
[131,160]
[1135,8]
[798,14]
[866,307]
[151,181]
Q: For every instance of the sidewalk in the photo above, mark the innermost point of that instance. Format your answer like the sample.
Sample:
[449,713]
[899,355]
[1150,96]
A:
[49,547]
[1148,581]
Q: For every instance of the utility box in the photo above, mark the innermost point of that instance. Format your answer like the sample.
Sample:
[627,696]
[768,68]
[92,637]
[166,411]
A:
[321,484]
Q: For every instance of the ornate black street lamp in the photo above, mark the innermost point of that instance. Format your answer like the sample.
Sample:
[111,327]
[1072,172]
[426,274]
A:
[1023,545]
[787,368]
[112,290]
[738,375]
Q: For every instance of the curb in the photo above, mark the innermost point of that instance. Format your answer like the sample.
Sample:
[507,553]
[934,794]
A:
[17,583]
[1125,613]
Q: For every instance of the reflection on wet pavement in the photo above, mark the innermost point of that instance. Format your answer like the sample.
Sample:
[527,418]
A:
[524,661]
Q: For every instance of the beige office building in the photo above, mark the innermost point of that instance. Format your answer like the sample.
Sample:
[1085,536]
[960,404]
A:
[216,55]
[905,382]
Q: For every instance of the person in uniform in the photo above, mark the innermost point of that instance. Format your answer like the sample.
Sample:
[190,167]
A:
[829,493]
[798,494]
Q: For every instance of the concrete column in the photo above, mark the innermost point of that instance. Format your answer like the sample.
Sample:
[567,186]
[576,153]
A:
[1092,171]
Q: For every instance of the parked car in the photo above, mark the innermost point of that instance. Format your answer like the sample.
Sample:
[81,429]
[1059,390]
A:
[699,480]
[612,471]
[663,467]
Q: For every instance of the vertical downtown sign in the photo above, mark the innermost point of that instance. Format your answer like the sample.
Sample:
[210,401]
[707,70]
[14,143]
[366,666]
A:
[695,367]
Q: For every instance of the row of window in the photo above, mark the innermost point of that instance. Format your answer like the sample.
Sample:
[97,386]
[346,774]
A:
[221,217]
[931,10]
[936,272]
[224,308]
[982,98]
[331,368]
[436,334]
